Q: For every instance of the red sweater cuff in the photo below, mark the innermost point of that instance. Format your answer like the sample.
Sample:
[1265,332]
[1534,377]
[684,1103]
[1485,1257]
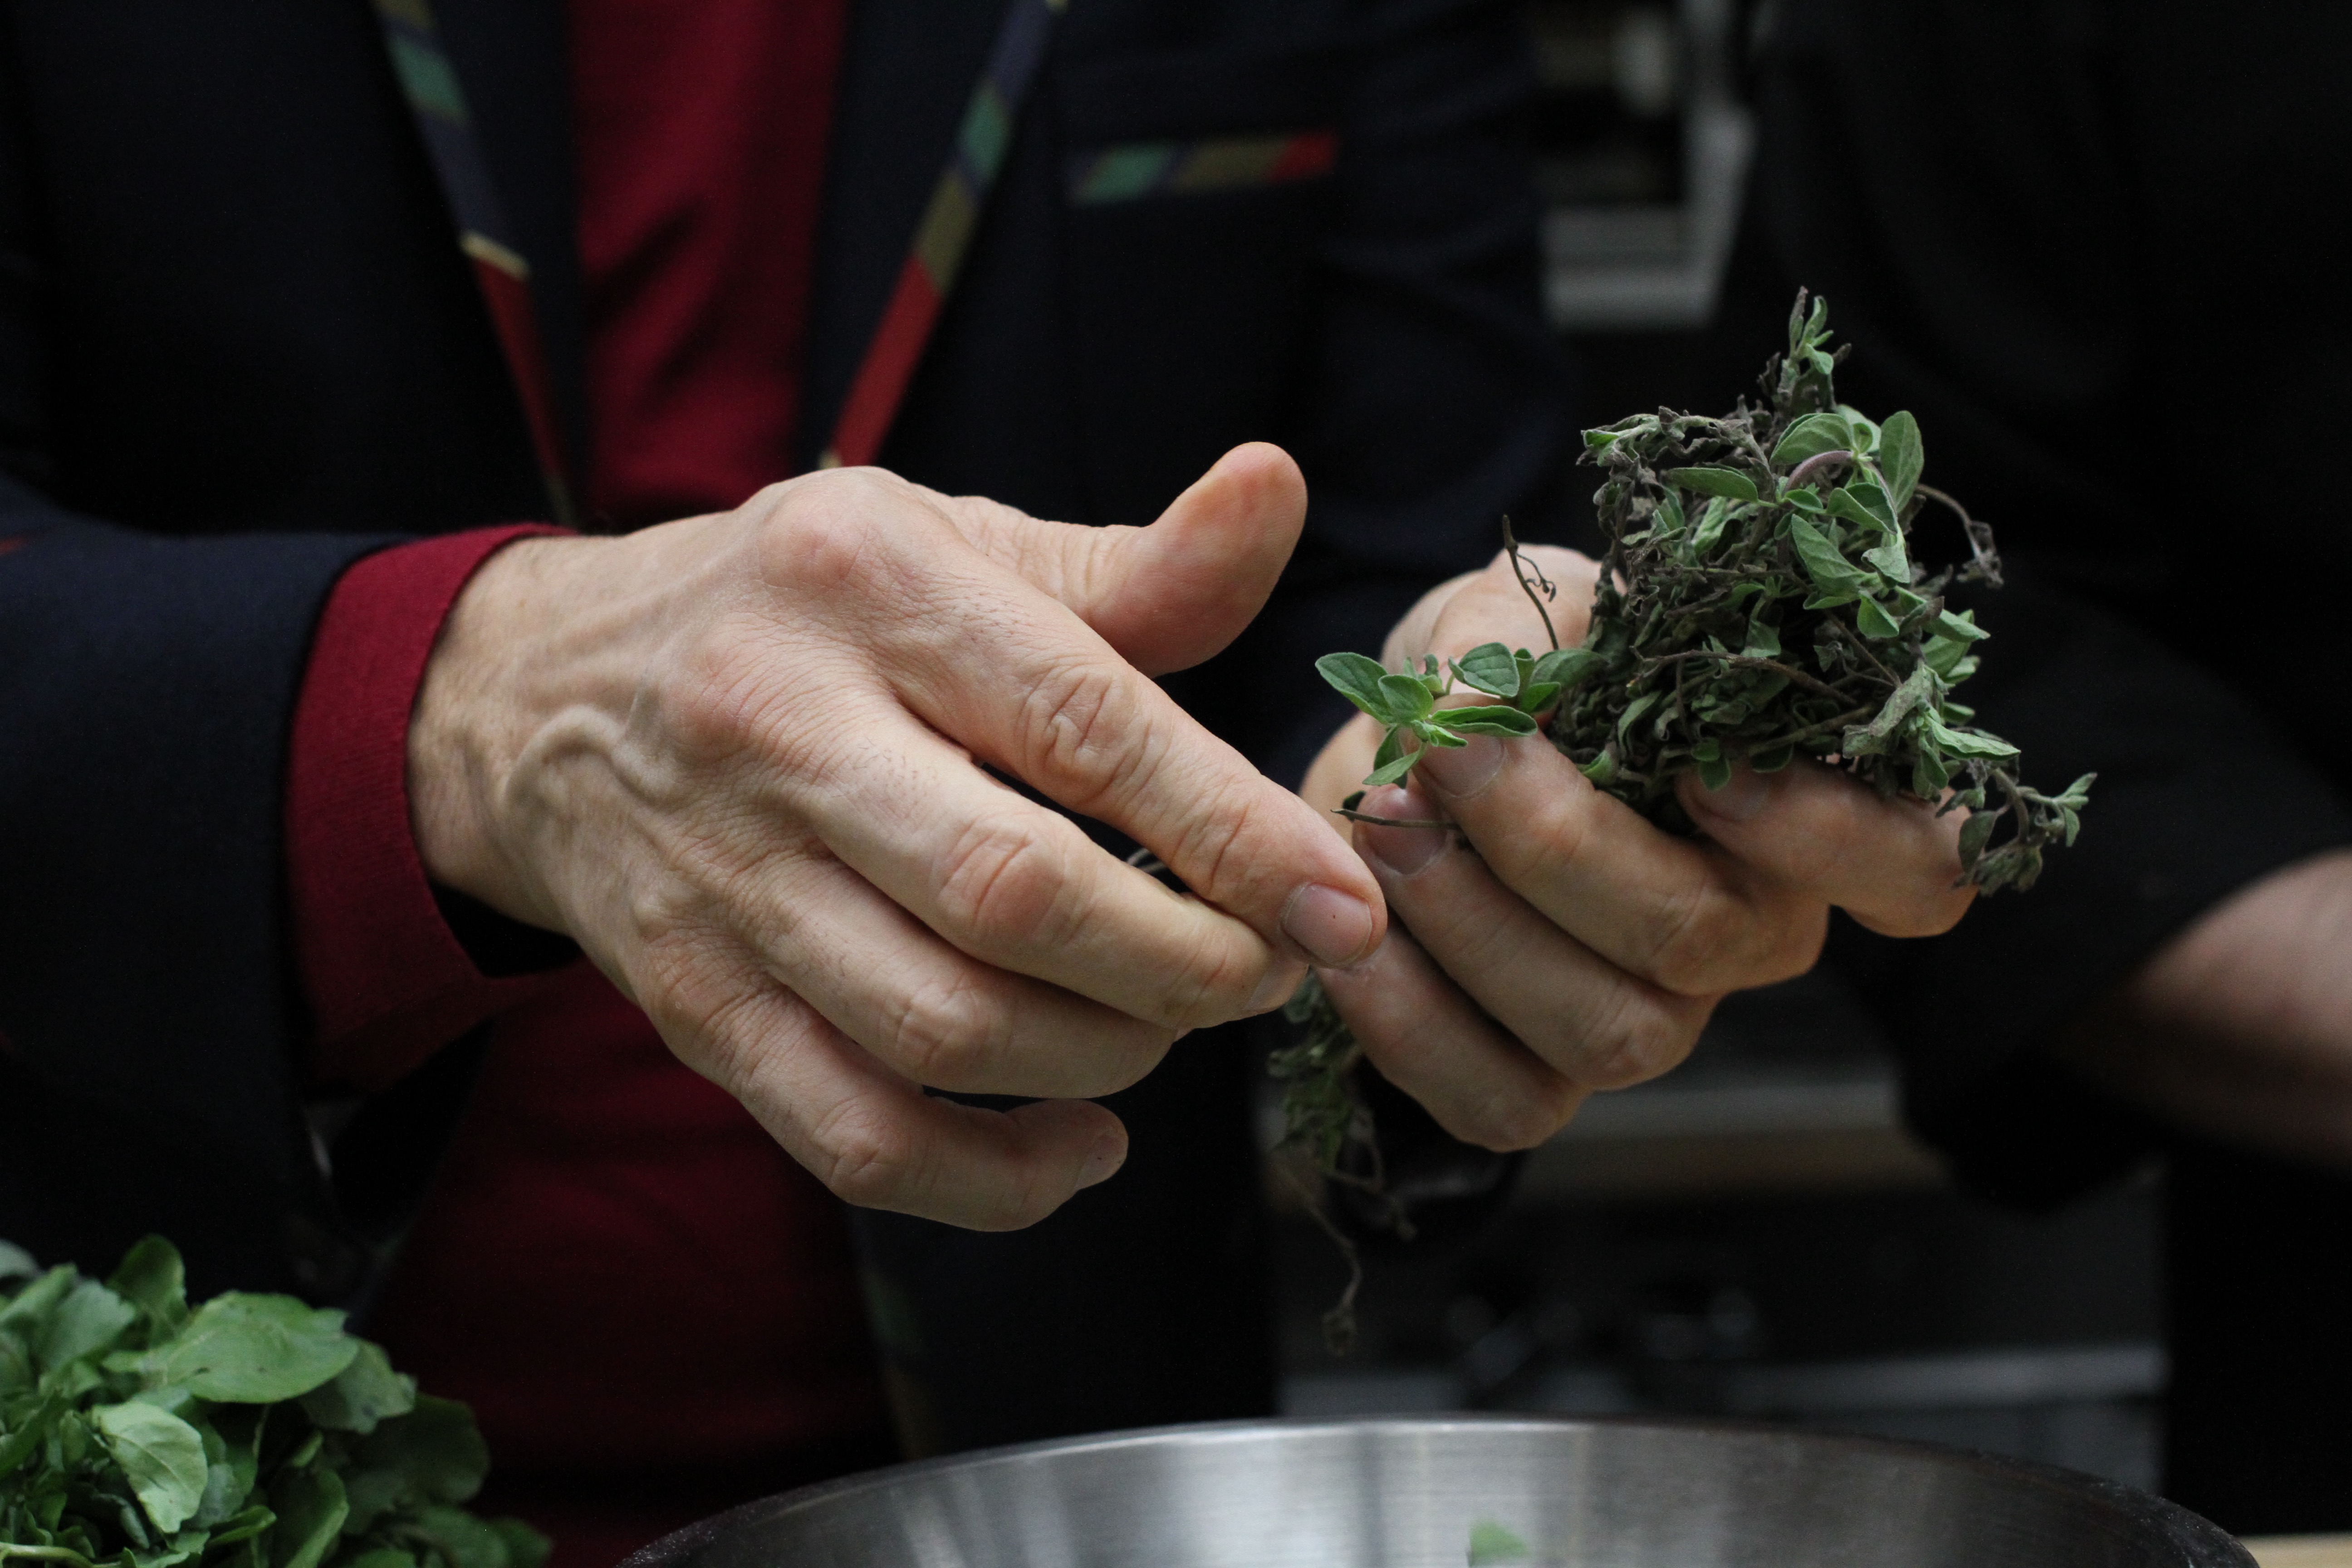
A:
[387,982]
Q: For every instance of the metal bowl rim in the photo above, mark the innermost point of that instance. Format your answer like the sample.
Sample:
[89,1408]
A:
[2193,1531]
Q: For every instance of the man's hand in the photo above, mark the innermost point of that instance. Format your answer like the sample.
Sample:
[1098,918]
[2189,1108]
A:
[2241,1027]
[1573,946]
[740,759]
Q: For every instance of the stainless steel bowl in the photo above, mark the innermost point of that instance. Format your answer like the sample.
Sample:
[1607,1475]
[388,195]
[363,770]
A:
[1409,1493]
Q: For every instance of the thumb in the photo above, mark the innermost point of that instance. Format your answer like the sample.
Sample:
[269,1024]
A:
[1172,595]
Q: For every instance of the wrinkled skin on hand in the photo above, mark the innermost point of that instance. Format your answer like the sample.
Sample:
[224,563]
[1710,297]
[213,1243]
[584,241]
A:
[1560,943]
[741,760]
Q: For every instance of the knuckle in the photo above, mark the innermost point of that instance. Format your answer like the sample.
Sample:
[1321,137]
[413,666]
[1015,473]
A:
[1213,984]
[1077,725]
[945,1033]
[822,534]
[1508,1121]
[1640,1036]
[1705,937]
[1003,885]
[865,1157]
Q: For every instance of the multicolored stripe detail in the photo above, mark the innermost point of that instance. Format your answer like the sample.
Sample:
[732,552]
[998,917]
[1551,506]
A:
[1138,169]
[437,103]
[944,235]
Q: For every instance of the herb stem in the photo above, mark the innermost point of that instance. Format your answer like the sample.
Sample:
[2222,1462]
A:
[1744,661]
[1520,567]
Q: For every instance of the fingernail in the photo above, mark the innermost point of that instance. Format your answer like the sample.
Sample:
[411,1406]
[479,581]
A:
[1404,850]
[1463,770]
[1103,1161]
[1333,928]
[1743,794]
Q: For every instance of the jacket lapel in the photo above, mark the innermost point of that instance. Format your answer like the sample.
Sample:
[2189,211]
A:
[510,57]
[907,72]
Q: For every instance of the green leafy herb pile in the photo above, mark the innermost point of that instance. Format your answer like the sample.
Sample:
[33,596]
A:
[251,1432]
[1759,602]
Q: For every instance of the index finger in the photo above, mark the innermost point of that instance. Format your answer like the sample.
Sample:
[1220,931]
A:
[1056,706]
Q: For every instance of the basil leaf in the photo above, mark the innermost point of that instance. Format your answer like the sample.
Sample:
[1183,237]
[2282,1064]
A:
[161,1456]
[363,1395]
[251,1349]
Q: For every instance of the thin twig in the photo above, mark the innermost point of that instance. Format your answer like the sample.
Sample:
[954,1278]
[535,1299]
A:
[1388,821]
[1745,661]
[1520,567]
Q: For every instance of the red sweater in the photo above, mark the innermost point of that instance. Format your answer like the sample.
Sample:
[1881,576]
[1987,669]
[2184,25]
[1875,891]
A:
[653,1310]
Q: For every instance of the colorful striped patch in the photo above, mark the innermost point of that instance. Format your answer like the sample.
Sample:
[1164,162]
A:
[437,103]
[945,233]
[1140,169]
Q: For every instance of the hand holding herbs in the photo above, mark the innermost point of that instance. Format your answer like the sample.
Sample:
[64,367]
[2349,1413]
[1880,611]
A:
[1763,660]
[251,1432]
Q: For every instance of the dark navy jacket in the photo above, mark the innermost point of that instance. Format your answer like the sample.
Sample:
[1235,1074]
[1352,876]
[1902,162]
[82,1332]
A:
[239,348]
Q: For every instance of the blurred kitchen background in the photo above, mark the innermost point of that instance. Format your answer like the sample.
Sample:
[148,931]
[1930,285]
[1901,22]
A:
[1755,1235]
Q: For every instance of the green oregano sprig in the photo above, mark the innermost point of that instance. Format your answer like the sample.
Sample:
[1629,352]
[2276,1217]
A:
[1757,602]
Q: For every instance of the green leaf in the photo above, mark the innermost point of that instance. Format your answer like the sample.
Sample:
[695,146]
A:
[1892,559]
[16,1263]
[1600,440]
[1485,720]
[312,1507]
[251,1349]
[1395,768]
[1863,503]
[363,1394]
[1900,457]
[1489,667]
[1710,531]
[1811,437]
[1763,640]
[1772,759]
[1407,696]
[1537,696]
[244,1526]
[526,1547]
[434,1453]
[1874,621]
[1433,734]
[1729,483]
[1969,742]
[1930,775]
[1830,572]
[1975,833]
[1962,625]
[1635,709]
[153,1278]
[37,1301]
[1490,1543]
[88,1321]
[1867,740]
[161,1456]
[1358,680]
[1714,771]
[32,1430]
[1566,665]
